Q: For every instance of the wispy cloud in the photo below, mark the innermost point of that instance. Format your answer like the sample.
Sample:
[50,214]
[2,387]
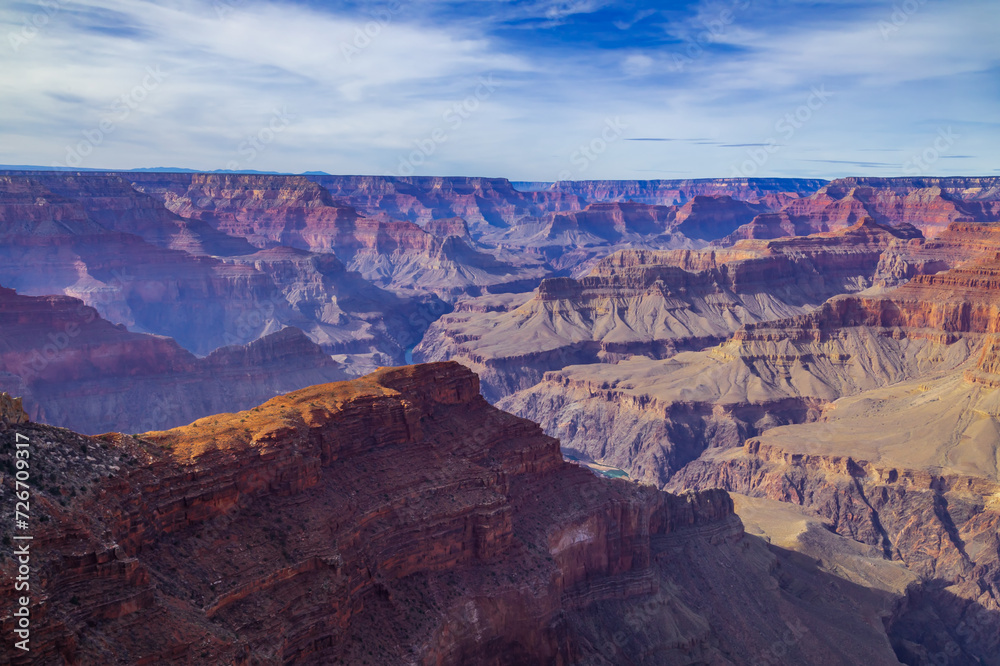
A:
[366,81]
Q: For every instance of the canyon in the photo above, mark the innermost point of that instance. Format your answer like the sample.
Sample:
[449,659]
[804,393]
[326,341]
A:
[875,412]
[96,238]
[792,383]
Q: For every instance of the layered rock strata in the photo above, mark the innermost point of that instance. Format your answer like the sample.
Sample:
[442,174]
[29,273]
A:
[679,192]
[930,204]
[655,304]
[296,212]
[399,519]
[911,472]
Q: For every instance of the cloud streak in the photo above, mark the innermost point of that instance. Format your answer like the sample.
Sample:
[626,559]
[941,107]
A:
[368,82]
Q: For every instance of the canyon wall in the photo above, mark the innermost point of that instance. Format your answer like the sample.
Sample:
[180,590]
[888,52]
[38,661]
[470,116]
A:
[654,304]
[679,192]
[398,518]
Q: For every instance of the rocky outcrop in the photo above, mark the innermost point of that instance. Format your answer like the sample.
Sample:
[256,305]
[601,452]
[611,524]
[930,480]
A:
[11,410]
[711,217]
[657,303]
[77,370]
[397,519]
[608,222]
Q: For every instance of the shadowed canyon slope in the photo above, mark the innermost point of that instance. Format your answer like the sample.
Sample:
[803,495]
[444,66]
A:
[399,519]
[77,370]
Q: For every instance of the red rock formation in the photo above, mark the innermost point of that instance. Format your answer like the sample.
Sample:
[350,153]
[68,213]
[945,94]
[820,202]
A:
[395,519]
[708,218]
[941,306]
[79,371]
[285,210]
[609,222]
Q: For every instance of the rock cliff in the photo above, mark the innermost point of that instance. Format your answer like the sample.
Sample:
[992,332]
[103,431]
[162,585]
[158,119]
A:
[930,204]
[484,203]
[679,192]
[910,471]
[399,519]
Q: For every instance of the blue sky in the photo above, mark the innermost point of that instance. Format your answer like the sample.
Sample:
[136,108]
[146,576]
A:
[529,90]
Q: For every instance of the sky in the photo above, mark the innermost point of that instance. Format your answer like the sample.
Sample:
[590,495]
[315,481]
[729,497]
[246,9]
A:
[530,90]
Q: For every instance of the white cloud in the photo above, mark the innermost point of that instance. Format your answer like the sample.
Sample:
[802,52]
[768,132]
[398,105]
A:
[362,92]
